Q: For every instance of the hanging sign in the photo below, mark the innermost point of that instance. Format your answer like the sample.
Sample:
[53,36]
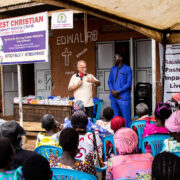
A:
[62,20]
[24,39]
[172,71]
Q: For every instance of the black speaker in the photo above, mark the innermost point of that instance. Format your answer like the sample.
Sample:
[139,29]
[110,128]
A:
[143,94]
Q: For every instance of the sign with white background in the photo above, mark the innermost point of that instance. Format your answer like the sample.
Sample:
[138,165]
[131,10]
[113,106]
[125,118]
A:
[62,20]
[24,39]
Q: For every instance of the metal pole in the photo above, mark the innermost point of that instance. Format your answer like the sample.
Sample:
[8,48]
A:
[163,70]
[19,70]
[153,52]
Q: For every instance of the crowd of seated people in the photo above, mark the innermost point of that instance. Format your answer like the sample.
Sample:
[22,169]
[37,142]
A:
[81,141]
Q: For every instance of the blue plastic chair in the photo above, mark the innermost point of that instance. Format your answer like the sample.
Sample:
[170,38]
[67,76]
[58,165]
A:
[97,106]
[140,124]
[68,174]
[104,141]
[176,153]
[155,141]
[46,150]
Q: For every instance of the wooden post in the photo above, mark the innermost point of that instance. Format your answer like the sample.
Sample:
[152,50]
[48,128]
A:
[85,28]
[153,52]
[132,67]
[19,70]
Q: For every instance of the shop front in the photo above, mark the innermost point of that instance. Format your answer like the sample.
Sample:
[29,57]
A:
[67,46]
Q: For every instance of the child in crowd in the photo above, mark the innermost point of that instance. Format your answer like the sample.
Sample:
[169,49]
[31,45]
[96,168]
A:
[166,166]
[162,112]
[51,136]
[117,122]
[36,168]
[79,122]
[6,157]
[69,141]
[173,125]
[108,114]
[128,164]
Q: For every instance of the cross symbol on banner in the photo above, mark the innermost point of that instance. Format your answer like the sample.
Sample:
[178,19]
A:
[66,55]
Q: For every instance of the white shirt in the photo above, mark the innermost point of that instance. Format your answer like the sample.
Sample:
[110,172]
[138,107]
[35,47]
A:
[84,92]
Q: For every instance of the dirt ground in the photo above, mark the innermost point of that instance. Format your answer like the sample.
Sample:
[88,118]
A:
[29,142]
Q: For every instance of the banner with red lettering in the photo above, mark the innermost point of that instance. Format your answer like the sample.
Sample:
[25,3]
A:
[172,71]
[24,39]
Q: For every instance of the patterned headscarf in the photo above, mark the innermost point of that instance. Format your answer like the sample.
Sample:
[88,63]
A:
[173,123]
[78,105]
[125,140]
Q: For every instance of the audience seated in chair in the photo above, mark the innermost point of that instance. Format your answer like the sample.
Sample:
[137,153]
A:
[142,112]
[173,125]
[128,165]
[6,158]
[162,112]
[91,126]
[79,122]
[117,122]
[36,168]
[108,114]
[166,166]
[51,136]
[69,141]
[14,132]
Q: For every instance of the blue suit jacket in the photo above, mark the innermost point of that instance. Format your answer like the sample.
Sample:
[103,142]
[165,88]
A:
[123,82]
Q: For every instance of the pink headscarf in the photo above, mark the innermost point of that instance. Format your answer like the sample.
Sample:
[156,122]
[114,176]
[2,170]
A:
[125,140]
[176,97]
[173,122]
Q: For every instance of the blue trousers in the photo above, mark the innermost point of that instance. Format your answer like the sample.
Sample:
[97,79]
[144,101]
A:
[122,108]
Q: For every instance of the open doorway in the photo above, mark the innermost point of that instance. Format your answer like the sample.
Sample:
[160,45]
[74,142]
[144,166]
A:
[105,55]
[28,79]
[123,49]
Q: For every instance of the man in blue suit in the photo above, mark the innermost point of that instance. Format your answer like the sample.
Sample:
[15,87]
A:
[120,81]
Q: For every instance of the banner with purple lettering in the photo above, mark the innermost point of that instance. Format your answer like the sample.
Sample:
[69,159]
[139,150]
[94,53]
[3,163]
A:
[172,71]
[24,39]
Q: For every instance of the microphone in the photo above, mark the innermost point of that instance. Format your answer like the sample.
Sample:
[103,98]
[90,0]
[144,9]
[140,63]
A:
[81,75]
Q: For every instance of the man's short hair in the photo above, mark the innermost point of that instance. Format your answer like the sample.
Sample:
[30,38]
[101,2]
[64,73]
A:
[79,62]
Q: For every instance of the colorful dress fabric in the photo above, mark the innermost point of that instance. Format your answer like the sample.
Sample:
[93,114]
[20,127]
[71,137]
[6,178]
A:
[87,166]
[90,127]
[86,145]
[105,125]
[171,145]
[12,175]
[133,166]
[42,139]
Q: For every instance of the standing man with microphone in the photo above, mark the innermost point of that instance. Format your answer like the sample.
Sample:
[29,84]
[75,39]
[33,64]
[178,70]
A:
[81,85]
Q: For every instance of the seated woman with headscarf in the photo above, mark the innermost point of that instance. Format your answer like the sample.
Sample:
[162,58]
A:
[173,125]
[91,126]
[128,164]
